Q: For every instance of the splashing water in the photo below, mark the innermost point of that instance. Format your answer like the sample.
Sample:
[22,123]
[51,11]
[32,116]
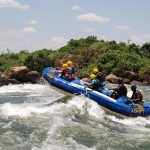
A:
[29,120]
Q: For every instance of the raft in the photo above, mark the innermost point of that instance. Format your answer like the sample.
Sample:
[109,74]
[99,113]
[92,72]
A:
[79,87]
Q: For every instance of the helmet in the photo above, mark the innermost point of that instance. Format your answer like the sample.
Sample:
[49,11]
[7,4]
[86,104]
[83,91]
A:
[69,63]
[120,80]
[64,65]
[95,70]
[92,76]
[133,87]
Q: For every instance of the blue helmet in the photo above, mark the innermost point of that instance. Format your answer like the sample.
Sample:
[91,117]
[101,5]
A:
[133,87]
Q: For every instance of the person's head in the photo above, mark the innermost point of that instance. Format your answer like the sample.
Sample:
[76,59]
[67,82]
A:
[92,76]
[69,63]
[64,66]
[133,87]
[95,70]
[120,80]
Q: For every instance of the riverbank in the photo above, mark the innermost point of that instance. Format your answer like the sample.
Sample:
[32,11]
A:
[128,61]
[22,74]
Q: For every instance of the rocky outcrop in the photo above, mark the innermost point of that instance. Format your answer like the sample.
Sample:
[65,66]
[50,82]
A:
[13,81]
[31,77]
[112,78]
[130,75]
[16,71]
[18,75]
[126,81]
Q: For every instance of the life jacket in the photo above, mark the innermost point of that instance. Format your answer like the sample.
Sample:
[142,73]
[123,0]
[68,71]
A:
[69,76]
[121,91]
[137,95]
[66,73]
[71,70]
[99,77]
[70,73]
[63,71]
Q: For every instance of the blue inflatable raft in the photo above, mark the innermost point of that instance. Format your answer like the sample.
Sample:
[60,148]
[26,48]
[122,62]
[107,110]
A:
[78,87]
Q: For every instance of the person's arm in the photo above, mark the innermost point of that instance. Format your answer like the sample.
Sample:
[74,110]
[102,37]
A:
[90,85]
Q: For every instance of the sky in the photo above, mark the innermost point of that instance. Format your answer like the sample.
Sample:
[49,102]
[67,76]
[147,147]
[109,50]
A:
[37,24]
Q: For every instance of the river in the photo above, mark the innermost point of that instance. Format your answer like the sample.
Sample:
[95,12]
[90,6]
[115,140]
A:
[31,120]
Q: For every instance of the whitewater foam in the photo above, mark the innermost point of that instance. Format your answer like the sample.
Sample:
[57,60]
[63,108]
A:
[8,109]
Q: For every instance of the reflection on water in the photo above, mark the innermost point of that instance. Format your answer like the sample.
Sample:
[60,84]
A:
[32,118]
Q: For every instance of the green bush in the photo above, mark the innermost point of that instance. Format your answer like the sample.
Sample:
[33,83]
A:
[38,61]
[119,61]
[14,56]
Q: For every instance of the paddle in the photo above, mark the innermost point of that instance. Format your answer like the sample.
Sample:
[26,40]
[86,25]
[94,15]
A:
[87,89]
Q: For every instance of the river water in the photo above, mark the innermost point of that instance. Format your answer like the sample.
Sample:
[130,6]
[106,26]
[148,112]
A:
[30,119]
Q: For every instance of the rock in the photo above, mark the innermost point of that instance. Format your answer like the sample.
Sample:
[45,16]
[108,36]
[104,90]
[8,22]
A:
[19,75]
[15,71]
[3,75]
[146,78]
[126,81]
[112,78]
[31,77]
[23,74]
[136,82]
[130,75]
[13,81]
[3,79]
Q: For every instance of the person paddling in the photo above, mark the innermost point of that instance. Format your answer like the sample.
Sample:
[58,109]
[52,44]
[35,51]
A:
[71,69]
[98,75]
[95,83]
[63,71]
[137,96]
[120,91]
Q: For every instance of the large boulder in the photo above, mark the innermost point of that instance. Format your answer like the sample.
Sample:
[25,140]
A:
[16,71]
[126,81]
[130,75]
[18,75]
[13,81]
[112,78]
[31,77]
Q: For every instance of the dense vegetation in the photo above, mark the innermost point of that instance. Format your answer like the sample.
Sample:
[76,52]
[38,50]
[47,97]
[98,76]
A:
[108,56]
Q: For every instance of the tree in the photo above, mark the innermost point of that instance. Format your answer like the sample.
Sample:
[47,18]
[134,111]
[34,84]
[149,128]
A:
[145,49]
[118,61]
[91,40]
[38,62]
[135,48]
